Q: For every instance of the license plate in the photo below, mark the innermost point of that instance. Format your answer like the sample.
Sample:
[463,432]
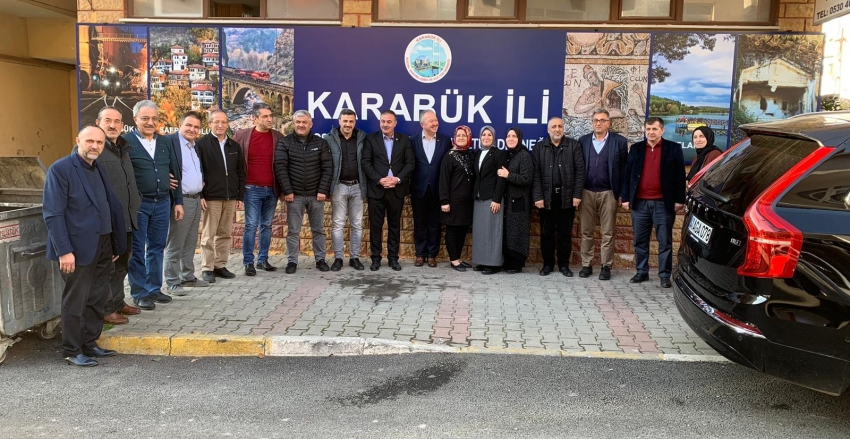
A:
[699,229]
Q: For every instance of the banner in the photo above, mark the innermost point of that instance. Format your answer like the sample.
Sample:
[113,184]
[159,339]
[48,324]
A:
[474,77]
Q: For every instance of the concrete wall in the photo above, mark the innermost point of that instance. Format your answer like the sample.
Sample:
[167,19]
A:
[38,118]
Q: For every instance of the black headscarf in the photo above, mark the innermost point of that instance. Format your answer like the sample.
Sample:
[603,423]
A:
[699,160]
[519,146]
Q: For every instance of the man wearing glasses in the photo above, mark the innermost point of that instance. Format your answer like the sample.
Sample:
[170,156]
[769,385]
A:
[605,155]
[153,160]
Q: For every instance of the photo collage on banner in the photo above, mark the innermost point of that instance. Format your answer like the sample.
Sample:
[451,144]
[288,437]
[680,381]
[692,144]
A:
[184,73]
[112,70]
[776,76]
[691,86]
[606,70]
[258,66]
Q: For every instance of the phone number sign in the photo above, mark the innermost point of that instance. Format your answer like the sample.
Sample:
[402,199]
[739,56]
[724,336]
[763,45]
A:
[826,10]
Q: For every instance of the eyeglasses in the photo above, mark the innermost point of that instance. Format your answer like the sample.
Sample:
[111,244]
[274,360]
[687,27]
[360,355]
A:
[600,120]
[149,119]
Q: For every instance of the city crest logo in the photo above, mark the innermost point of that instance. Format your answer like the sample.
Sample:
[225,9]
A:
[428,58]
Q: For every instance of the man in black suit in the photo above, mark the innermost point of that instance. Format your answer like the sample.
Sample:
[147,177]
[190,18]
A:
[429,148]
[388,162]
[85,234]
[654,188]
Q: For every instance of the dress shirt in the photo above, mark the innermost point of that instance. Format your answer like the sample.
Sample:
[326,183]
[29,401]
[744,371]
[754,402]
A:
[388,144]
[149,145]
[192,181]
[599,144]
[429,146]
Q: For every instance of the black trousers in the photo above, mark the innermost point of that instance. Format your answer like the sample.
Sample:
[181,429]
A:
[83,299]
[455,239]
[426,223]
[556,226]
[389,206]
[115,300]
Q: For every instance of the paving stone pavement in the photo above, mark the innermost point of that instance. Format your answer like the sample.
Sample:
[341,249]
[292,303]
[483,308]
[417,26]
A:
[433,305]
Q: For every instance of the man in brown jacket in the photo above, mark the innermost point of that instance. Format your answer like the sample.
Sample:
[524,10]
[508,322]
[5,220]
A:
[261,192]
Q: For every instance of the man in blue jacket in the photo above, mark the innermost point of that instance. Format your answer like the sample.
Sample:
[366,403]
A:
[654,188]
[605,155]
[85,234]
[153,160]
[429,147]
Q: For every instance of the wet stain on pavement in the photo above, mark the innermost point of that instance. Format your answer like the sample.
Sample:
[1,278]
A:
[379,288]
[417,383]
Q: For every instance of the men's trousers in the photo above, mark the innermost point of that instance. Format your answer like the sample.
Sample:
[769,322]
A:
[556,226]
[216,230]
[182,241]
[426,223]
[83,299]
[604,206]
[647,214]
[295,217]
[347,200]
[145,269]
[260,204]
[389,206]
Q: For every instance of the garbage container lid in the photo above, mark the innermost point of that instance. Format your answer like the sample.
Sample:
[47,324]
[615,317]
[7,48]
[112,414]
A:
[21,179]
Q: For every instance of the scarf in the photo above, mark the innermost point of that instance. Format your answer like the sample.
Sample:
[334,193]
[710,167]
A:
[699,160]
[492,131]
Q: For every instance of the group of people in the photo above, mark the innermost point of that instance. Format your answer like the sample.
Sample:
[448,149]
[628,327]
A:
[130,206]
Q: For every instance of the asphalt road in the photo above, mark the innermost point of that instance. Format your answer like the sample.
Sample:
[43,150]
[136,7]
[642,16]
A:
[413,396]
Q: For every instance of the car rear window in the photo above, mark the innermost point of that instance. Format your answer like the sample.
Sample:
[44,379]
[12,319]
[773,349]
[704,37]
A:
[750,168]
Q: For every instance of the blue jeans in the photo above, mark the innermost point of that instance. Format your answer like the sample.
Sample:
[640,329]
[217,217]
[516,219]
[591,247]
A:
[260,204]
[645,215]
[145,270]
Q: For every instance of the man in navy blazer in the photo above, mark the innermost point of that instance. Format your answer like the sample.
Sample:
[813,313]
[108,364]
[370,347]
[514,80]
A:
[605,155]
[429,147]
[654,188]
[85,234]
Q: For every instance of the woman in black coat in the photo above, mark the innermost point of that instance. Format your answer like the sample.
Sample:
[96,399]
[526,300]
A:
[703,139]
[456,185]
[519,173]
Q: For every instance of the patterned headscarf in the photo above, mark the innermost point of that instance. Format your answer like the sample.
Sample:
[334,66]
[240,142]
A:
[468,132]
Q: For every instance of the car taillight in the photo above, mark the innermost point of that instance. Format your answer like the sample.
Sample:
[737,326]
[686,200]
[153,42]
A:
[702,171]
[773,245]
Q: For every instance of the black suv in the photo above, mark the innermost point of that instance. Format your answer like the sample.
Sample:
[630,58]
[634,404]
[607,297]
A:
[764,267]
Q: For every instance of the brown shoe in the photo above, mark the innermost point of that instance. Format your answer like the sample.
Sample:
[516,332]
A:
[130,310]
[432,262]
[115,319]
[419,262]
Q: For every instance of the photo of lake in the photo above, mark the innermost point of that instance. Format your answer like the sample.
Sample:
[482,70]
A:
[691,86]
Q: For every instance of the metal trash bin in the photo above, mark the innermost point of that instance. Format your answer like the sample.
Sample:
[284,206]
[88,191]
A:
[30,284]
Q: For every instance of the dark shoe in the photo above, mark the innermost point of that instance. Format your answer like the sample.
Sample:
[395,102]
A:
[291,267]
[638,278]
[99,352]
[265,266]
[490,270]
[513,270]
[337,265]
[115,319]
[432,262]
[323,266]
[665,282]
[585,271]
[420,261]
[546,270]
[145,303]
[82,361]
[566,271]
[605,273]
[356,264]
[395,265]
[376,265]
[195,283]
[208,276]
[250,270]
[465,264]
[176,290]
[479,267]
[458,267]
[160,298]
[130,310]
[223,272]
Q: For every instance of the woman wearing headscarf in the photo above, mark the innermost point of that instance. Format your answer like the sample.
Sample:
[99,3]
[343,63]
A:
[488,192]
[456,184]
[518,172]
[703,139]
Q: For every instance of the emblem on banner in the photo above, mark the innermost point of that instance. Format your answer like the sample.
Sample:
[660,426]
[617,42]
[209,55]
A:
[428,58]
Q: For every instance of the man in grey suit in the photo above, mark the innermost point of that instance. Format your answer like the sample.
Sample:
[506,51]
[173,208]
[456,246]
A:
[183,235]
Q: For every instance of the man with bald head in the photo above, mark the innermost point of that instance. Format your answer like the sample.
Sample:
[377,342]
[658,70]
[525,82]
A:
[85,234]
